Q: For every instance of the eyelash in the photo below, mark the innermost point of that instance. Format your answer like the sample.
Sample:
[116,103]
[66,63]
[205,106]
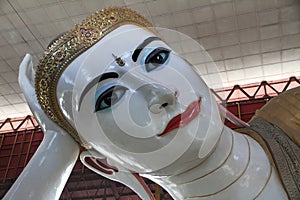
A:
[156,58]
[109,97]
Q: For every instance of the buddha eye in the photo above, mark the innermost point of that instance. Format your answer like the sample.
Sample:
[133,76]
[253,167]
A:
[156,58]
[109,97]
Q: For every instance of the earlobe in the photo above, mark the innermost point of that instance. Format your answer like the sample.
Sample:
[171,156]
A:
[97,163]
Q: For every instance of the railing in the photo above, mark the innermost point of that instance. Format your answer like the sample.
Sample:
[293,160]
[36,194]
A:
[264,90]
[18,124]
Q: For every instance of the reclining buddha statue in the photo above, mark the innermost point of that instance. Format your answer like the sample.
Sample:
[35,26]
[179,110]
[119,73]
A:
[112,86]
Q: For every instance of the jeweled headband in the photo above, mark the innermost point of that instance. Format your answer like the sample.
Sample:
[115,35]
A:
[69,46]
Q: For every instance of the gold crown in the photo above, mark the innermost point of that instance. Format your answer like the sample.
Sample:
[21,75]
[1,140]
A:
[69,46]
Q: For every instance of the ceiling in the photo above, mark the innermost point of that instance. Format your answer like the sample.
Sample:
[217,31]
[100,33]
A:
[249,40]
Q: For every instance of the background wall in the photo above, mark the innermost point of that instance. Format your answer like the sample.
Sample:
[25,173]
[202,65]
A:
[250,40]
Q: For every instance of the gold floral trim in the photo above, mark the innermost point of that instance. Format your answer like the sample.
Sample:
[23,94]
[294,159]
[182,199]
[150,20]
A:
[69,46]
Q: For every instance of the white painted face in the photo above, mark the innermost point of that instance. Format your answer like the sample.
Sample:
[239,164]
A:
[146,114]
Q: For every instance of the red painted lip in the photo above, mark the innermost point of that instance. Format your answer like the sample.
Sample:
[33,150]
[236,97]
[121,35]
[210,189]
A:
[184,118]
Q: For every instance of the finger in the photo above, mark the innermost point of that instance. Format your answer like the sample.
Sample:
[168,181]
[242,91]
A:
[26,77]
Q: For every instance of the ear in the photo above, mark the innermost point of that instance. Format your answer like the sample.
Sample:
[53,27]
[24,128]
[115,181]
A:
[99,164]
[26,70]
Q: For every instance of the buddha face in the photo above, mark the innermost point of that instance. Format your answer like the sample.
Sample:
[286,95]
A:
[137,102]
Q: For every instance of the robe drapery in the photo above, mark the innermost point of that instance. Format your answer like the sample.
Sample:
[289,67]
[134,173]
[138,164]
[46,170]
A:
[276,127]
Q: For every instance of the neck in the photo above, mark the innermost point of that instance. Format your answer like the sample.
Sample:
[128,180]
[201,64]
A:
[237,168]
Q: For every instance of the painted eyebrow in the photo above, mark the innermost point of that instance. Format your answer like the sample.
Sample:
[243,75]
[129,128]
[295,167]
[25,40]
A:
[96,80]
[138,50]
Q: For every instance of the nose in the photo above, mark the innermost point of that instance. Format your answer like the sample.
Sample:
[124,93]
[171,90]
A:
[158,97]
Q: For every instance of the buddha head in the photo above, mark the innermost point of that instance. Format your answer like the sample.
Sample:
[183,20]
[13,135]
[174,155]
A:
[119,90]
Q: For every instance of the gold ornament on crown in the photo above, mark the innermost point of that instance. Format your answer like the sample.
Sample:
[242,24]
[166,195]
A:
[69,46]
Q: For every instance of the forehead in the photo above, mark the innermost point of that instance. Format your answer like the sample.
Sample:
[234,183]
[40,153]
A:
[122,40]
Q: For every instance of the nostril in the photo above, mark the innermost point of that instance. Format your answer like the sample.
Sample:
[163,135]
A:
[164,105]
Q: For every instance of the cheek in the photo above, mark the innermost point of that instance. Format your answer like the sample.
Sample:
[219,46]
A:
[138,110]
[132,117]
[182,79]
[106,119]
